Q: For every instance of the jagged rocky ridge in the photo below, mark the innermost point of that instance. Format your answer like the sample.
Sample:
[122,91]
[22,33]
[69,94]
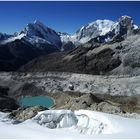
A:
[105,30]
[117,55]
[120,58]
[39,35]
[36,40]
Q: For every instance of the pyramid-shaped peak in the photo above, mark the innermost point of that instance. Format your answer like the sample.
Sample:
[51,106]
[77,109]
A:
[38,22]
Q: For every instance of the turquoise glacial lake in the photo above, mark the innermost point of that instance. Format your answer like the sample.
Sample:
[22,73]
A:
[44,101]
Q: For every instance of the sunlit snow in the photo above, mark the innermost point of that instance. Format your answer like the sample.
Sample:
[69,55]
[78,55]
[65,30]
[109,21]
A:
[82,124]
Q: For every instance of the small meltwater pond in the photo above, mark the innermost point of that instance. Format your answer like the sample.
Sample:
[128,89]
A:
[44,101]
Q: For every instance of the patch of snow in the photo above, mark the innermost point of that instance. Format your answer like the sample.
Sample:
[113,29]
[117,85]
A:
[11,39]
[136,27]
[37,40]
[65,37]
[37,32]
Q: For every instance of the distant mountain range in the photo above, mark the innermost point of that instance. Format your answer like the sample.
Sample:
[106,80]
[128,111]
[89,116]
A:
[36,39]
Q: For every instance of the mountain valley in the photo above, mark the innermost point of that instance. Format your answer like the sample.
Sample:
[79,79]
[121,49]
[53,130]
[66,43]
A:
[91,77]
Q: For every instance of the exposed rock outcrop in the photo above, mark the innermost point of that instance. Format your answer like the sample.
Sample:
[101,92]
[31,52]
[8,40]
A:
[23,114]
[6,103]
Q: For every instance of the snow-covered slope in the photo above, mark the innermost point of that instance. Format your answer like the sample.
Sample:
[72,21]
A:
[13,38]
[67,42]
[106,28]
[37,34]
[82,124]
[94,29]
[4,36]
[37,30]
[65,37]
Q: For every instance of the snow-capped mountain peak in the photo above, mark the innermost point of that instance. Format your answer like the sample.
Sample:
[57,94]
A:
[38,22]
[94,29]
[104,28]
[38,31]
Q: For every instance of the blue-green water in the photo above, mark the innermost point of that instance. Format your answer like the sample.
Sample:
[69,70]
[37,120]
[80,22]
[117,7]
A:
[44,101]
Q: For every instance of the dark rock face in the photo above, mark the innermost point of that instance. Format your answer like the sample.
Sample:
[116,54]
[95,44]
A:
[77,61]
[4,36]
[126,25]
[23,114]
[68,46]
[136,31]
[28,89]
[6,103]
[19,52]
[102,62]
[3,91]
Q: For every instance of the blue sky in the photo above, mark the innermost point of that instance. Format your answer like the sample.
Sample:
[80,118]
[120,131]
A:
[63,16]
